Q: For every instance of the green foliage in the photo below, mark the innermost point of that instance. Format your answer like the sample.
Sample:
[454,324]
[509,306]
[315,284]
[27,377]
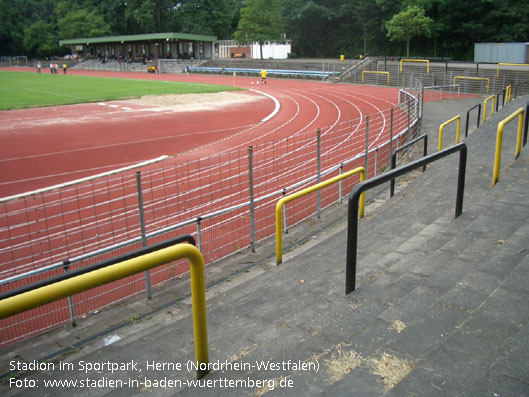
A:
[318,28]
[312,25]
[211,17]
[15,16]
[40,39]
[82,23]
[408,24]
[261,21]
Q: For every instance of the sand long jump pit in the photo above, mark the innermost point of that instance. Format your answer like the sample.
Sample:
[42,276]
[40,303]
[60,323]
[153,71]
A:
[79,140]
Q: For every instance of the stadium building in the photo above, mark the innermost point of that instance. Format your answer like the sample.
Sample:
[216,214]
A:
[139,47]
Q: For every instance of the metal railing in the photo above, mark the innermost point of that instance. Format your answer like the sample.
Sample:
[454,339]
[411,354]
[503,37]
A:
[323,74]
[416,60]
[423,138]
[499,140]
[478,106]
[374,72]
[443,125]
[46,233]
[508,64]
[352,216]
[485,101]
[486,79]
[35,296]
[304,192]
[443,88]
[442,74]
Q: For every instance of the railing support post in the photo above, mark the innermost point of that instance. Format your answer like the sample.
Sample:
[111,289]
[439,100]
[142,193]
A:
[391,131]
[366,163]
[252,203]
[285,222]
[318,144]
[143,230]
[340,172]
[376,161]
[199,233]
[71,303]
[409,128]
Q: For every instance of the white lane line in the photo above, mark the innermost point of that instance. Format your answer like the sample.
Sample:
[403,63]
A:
[77,181]
[276,108]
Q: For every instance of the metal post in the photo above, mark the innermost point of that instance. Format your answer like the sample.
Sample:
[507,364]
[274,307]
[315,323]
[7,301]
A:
[143,230]
[391,132]
[318,149]
[252,203]
[199,233]
[367,148]
[285,229]
[340,171]
[376,160]
[71,304]
[409,129]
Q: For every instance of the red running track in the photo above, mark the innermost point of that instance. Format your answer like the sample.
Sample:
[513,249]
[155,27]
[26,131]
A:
[47,146]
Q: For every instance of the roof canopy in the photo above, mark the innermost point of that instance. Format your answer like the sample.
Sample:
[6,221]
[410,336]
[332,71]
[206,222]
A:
[139,37]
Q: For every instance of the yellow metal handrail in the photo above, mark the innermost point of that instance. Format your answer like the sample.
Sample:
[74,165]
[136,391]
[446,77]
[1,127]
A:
[416,60]
[493,98]
[62,289]
[442,126]
[508,64]
[374,72]
[284,200]
[474,78]
[508,93]
[499,140]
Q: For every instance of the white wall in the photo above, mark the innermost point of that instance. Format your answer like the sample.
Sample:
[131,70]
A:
[271,50]
[275,51]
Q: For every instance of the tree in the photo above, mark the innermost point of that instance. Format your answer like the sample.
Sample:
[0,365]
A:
[15,16]
[82,23]
[260,22]
[212,17]
[359,25]
[313,26]
[408,24]
[41,39]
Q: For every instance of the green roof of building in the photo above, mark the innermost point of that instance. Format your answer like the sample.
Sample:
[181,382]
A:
[139,37]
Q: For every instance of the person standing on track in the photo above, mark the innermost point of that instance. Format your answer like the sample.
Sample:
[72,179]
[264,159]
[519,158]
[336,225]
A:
[263,76]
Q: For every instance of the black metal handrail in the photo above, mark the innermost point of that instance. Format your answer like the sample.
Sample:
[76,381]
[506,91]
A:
[98,265]
[468,114]
[394,158]
[352,225]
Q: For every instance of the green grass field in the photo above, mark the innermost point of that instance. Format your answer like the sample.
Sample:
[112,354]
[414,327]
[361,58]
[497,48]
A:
[20,90]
